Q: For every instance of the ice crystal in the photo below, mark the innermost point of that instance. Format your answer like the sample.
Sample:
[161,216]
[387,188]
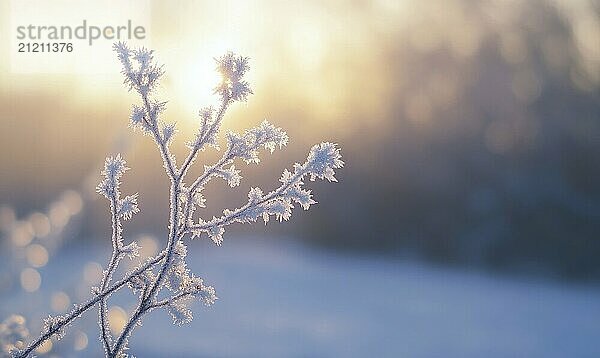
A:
[128,206]
[232,69]
[54,327]
[180,313]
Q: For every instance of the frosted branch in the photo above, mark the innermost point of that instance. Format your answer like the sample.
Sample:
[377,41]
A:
[79,309]
[321,162]
[168,271]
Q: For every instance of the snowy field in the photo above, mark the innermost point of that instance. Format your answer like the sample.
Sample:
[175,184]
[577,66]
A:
[284,300]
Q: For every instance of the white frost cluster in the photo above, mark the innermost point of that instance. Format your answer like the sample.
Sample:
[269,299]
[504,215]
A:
[322,160]
[13,333]
[232,69]
[165,281]
[54,327]
[246,146]
[121,208]
[144,75]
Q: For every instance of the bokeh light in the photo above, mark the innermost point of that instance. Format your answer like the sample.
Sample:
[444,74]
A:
[81,341]
[117,318]
[37,255]
[59,214]
[92,273]
[30,280]
[40,224]
[7,218]
[60,302]
[72,201]
[148,246]
[22,234]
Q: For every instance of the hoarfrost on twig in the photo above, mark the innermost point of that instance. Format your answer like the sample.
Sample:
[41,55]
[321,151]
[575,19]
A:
[167,272]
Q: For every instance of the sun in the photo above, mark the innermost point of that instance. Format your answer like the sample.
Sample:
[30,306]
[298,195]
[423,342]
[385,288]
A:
[196,82]
[196,77]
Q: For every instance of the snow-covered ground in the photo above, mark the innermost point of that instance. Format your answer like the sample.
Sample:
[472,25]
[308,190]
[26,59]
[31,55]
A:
[284,300]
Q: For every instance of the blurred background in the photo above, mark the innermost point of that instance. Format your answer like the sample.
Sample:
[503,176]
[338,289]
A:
[466,221]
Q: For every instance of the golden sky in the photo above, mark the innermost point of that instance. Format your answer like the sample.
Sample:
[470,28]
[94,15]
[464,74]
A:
[334,70]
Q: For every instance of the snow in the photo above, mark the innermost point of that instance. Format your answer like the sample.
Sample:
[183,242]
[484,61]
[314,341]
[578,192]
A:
[279,299]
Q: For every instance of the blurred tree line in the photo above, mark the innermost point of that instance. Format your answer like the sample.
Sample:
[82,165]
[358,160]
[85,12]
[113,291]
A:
[491,155]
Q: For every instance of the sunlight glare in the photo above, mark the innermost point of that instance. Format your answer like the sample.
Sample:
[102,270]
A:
[196,77]
[307,43]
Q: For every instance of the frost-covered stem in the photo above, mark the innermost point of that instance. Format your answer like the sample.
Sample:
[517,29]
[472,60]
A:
[146,300]
[200,144]
[47,335]
[228,219]
[103,312]
[225,160]
[127,331]
[114,260]
[170,300]
[200,181]
[81,308]
[175,178]
[162,146]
